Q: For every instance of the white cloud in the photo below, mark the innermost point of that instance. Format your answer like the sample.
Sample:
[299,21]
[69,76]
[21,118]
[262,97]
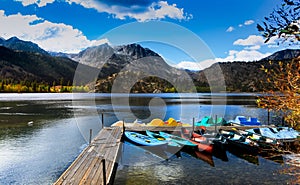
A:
[230,29]
[243,55]
[157,10]
[250,41]
[248,22]
[188,65]
[40,3]
[141,11]
[256,47]
[233,55]
[50,36]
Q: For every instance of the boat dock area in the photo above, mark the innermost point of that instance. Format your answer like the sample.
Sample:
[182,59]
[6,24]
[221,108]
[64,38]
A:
[97,163]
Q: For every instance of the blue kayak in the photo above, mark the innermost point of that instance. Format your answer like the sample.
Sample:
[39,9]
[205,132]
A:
[144,140]
[159,137]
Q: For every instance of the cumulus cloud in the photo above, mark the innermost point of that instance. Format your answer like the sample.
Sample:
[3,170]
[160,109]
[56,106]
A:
[250,41]
[50,36]
[188,65]
[233,55]
[153,11]
[230,29]
[243,55]
[196,66]
[256,47]
[39,3]
[143,10]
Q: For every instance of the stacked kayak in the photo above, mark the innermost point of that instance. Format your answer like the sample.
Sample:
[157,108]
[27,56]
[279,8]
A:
[264,142]
[240,142]
[280,133]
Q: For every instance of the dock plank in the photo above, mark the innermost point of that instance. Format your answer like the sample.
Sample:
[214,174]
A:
[87,168]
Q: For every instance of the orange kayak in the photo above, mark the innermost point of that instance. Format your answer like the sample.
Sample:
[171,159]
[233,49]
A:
[201,142]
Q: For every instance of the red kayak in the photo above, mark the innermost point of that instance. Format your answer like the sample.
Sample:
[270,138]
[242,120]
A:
[199,140]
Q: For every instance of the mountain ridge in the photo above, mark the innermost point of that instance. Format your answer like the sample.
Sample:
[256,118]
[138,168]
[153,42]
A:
[15,43]
[141,69]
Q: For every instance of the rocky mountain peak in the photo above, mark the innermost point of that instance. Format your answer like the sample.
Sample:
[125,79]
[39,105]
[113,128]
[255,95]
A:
[284,55]
[15,43]
[135,50]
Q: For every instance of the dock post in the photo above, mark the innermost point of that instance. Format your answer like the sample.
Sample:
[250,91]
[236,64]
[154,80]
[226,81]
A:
[91,133]
[104,171]
[102,119]
[123,126]
[193,127]
[216,123]
[268,116]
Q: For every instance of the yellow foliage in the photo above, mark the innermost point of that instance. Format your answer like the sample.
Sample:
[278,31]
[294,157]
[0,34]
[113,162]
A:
[284,96]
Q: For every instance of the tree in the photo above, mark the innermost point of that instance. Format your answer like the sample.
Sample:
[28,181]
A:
[283,94]
[283,22]
[282,85]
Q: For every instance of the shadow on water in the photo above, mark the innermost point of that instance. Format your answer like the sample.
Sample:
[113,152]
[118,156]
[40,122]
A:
[208,158]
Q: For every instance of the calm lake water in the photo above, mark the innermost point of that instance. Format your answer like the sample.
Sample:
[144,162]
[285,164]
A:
[41,134]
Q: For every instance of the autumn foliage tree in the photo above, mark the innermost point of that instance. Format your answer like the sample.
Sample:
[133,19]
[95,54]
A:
[282,93]
[282,85]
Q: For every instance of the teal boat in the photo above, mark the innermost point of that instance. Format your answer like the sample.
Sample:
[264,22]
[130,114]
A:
[170,142]
[208,121]
[177,139]
[144,140]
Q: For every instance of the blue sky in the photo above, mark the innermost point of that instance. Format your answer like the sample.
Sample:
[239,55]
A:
[226,28]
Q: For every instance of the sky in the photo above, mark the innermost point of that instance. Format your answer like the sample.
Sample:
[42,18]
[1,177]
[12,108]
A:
[184,33]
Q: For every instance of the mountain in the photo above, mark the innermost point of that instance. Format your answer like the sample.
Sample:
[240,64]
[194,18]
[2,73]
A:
[240,75]
[284,55]
[16,44]
[136,69]
[94,56]
[28,66]
[97,56]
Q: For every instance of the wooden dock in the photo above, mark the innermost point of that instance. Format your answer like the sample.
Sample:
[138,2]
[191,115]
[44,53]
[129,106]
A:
[88,167]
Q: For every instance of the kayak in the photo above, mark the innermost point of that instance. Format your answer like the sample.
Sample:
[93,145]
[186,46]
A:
[170,142]
[177,139]
[200,141]
[241,143]
[144,140]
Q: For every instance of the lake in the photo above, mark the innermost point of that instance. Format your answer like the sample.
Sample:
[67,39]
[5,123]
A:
[42,134]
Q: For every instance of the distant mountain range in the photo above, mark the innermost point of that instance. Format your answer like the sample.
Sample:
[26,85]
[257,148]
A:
[19,45]
[127,68]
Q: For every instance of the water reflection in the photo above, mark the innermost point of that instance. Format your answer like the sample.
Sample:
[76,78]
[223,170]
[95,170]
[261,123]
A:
[39,153]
